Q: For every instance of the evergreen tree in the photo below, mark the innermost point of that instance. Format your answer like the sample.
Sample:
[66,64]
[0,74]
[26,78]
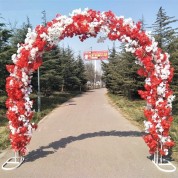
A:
[162,31]
[173,50]
[120,74]
[111,75]
[5,53]
[19,34]
[44,19]
[80,72]
[69,71]
[89,72]
[50,77]
[132,82]
[144,25]
[5,34]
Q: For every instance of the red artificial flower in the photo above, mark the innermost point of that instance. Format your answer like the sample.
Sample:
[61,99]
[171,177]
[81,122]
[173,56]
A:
[142,72]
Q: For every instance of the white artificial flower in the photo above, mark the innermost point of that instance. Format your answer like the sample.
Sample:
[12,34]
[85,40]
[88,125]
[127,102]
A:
[33,52]
[44,36]
[129,22]
[159,101]
[21,118]
[25,78]
[153,47]
[14,58]
[148,125]
[148,81]
[75,12]
[12,129]
[138,62]
[161,89]
[166,151]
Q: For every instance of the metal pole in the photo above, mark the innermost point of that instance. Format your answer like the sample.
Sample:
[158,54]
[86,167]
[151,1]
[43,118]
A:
[95,75]
[39,98]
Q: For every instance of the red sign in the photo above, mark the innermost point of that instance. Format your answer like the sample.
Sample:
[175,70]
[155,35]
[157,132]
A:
[95,55]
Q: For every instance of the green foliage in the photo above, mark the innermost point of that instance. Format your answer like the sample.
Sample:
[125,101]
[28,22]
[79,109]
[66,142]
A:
[19,34]
[80,73]
[90,71]
[111,73]
[5,53]
[60,72]
[162,31]
[120,74]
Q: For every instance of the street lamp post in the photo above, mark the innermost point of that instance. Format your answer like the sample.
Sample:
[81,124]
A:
[39,98]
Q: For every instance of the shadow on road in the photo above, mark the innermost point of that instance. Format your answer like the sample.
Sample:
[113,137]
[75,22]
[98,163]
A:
[44,151]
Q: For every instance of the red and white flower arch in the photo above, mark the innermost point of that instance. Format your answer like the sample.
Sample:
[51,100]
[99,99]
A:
[154,65]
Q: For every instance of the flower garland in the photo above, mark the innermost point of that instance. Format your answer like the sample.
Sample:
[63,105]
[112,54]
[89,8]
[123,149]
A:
[155,66]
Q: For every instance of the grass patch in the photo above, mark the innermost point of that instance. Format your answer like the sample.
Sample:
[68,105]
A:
[47,105]
[133,110]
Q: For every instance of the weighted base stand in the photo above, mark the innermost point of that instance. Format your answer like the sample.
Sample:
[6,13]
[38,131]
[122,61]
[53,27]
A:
[163,164]
[13,162]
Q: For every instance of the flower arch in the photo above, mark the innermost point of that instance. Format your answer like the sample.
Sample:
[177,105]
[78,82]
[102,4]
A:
[154,66]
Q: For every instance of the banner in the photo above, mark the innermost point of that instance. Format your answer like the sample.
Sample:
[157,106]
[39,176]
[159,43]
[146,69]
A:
[95,55]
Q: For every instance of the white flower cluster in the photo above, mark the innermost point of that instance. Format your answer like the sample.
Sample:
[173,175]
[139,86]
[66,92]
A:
[131,45]
[56,30]
[105,30]
[30,38]
[129,22]
[79,11]
[170,99]
[148,125]
[161,89]
[153,47]
[92,26]
[14,109]
[26,124]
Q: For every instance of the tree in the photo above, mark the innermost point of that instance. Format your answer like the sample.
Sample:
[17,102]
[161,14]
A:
[111,75]
[5,35]
[120,74]
[162,31]
[132,82]
[44,19]
[89,72]
[80,72]
[144,25]
[19,34]
[69,70]
[5,53]
[50,76]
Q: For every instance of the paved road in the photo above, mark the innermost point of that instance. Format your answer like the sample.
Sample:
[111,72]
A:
[86,138]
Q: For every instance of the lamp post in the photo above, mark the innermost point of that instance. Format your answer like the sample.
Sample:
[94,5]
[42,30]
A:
[39,98]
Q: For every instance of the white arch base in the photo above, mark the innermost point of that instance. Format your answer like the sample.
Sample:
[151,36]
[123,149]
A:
[163,164]
[13,162]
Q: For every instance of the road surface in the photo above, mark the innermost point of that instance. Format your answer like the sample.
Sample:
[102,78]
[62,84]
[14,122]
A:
[86,138]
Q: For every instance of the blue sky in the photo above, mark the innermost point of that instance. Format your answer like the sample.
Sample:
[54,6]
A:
[18,10]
